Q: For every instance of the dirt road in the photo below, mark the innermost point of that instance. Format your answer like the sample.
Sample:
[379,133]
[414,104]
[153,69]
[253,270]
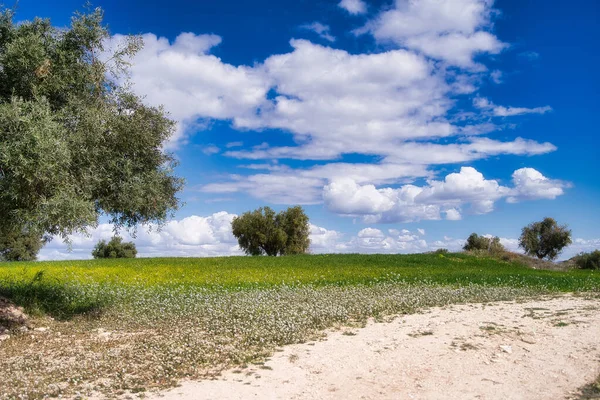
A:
[543,349]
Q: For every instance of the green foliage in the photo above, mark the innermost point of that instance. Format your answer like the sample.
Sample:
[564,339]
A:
[545,239]
[296,227]
[19,245]
[482,243]
[588,260]
[115,248]
[75,142]
[263,232]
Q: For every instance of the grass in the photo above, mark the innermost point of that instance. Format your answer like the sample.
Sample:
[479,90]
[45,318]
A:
[117,326]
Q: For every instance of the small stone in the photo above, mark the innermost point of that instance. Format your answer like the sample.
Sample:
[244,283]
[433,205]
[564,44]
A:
[506,349]
[4,337]
[41,329]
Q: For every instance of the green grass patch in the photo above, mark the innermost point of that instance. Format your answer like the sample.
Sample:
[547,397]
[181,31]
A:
[67,288]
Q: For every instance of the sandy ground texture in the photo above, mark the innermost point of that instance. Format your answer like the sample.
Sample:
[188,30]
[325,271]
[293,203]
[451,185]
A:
[544,349]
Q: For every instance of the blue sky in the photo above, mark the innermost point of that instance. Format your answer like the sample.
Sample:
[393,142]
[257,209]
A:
[400,126]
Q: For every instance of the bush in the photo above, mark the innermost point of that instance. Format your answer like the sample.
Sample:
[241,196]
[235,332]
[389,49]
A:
[544,239]
[441,251]
[114,249]
[588,260]
[483,243]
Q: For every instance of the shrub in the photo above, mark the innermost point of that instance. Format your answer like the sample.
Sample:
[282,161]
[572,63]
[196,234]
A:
[441,251]
[115,248]
[483,243]
[545,239]
[588,260]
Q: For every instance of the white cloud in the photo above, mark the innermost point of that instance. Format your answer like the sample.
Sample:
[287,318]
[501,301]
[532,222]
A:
[530,184]
[191,83]
[328,99]
[453,31]
[501,111]
[452,214]
[354,7]
[496,76]
[413,203]
[210,150]
[192,236]
[320,29]
[398,105]
[304,186]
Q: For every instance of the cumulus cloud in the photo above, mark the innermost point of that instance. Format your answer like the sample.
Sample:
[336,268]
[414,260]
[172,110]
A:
[398,105]
[284,185]
[353,7]
[501,111]
[451,31]
[413,203]
[191,83]
[530,184]
[192,236]
[320,29]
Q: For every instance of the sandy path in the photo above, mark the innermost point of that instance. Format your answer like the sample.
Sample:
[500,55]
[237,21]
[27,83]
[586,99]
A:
[535,350]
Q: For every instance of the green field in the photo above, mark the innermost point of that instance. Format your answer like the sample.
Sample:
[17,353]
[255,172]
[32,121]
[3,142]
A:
[172,318]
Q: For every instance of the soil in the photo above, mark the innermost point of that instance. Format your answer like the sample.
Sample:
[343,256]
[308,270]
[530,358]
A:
[542,349]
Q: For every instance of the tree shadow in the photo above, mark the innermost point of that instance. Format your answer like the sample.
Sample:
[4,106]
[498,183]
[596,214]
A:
[591,391]
[46,297]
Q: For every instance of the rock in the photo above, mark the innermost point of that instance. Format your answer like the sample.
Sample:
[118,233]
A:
[41,329]
[11,316]
[4,336]
[506,349]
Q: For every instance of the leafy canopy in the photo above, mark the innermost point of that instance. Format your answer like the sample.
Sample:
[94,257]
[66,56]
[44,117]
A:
[545,239]
[588,260]
[482,243]
[75,142]
[18,245]
[115,248]
[262,231]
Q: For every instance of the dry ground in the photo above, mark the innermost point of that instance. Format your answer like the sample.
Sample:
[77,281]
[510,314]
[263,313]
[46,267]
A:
[543,349]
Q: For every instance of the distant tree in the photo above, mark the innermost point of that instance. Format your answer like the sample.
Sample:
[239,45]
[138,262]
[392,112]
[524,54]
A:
[482,243]
[588,260]
[19,245]
[75,141]
[296,227]
[262,231]
[545,239]
[115,248]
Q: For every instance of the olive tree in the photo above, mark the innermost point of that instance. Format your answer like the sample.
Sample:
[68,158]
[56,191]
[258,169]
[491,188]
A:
[262,231]
[18,245]
[482,243]
[75,141]
[545,239]
[115,248]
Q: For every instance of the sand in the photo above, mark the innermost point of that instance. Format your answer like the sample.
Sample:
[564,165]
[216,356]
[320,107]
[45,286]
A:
[543,349]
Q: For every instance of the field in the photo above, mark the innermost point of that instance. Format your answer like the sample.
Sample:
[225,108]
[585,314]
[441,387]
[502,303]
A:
[118,326]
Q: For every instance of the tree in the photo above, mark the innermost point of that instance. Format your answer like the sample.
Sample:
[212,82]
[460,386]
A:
[588,260]
[263,232]
[115,248]
[482,243]
[18,245]
[75,142]
[545,239]
[296,227]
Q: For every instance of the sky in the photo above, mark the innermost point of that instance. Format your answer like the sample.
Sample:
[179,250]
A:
[400,126]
